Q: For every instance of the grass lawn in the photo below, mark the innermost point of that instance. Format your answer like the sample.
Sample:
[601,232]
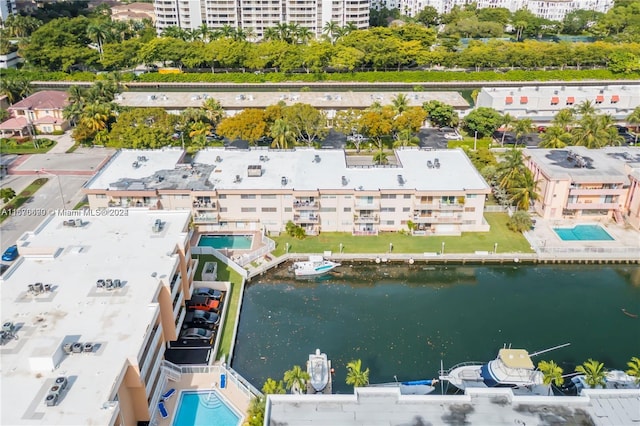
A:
[8,147]
[468,142]
[469,242]
[232,300]
[21,198]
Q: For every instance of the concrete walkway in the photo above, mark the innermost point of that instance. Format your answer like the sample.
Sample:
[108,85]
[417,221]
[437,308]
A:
[63,143]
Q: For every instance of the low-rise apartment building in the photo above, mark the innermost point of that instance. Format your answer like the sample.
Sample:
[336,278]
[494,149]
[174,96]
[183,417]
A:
[586,183]
[429,192]
[542,103]
[87,310]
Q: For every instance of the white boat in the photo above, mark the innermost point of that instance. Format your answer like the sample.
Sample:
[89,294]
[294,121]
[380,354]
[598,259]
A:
[318,369]
[512,368]
[614,379]
[413,387]
[316,265]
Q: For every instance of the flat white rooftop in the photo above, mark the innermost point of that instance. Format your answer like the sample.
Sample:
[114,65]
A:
[71,260]
[605,165]
[302,169]
[384,407]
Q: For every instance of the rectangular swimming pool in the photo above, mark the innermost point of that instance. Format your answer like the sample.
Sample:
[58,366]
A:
[204,408]
[235,242]
[583,233]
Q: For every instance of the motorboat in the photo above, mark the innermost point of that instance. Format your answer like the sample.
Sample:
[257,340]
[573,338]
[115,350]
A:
[512,368]
[413,387]
[316,265]
[614,379]
[318,369]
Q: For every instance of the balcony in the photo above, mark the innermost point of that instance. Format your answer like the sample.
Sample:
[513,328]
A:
[592,206]
[596,192]
[204,205]
[419,205]
[360,232]
[305,205]
[305,219]
[373,218]
[361,205]
[205,218]
[437,219]
[451,207]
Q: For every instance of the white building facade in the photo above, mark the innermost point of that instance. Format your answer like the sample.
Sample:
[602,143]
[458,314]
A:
[7,7]
[258,15]
[554,10]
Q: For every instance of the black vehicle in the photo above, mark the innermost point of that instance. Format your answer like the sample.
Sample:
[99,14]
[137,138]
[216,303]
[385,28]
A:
[196,335]
[199,318]
[622,129]
[204,291]
[264,141]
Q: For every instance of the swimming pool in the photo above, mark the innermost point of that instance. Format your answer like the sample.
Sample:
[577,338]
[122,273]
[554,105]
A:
[237,242]
[204,408]
[583,233]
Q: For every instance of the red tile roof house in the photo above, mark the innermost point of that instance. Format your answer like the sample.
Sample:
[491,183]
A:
[42,109]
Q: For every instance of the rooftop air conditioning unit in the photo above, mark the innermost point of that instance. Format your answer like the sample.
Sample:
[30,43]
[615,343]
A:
[77,347]
[400,180]
[62,382]
[67,348]
[284,181]
[7,327]
[100,283]
[344,181]
[253,171]
[88,347]
[117,283]
[51,399]
[316,159]
[55,390]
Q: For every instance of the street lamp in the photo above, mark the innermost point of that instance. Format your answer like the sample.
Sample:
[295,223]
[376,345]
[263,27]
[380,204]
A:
[442,249]
[475,140]
[59,185]
[286,247]
[390,247]
[495,248]
[341,246]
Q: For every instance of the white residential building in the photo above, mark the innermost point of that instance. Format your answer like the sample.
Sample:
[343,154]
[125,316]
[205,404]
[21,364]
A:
[258,15]
[554,10]
[7,7]
[75,352]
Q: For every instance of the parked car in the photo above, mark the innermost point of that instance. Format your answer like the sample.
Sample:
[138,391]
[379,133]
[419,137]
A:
[542,129]
[201,319]
[264,141]
[10,254]
[203,303]
[205,291]
[454,136]
[199,335]
[622,129]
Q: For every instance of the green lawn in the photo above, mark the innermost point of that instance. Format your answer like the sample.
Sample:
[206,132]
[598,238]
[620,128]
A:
[232,300]
[469,143]
[508,241]
[21,198]
[9,146]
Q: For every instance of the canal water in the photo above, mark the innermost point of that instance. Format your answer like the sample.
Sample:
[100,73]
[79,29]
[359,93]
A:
[402,320]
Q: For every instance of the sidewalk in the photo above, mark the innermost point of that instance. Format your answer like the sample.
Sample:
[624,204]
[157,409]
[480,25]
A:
[63,142]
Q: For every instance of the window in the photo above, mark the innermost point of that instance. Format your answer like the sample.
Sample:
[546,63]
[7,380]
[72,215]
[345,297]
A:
[328,197]
[288,209]
[448,200]
[101,195]
[406,209]
[388,209]
[388,196]
[269,210]
[347,209]
[407,196]
[328,209]
[472,195]
[389,222]
[248,209]
[268,196]
[222,196]
[247,197]
[469,209]
[223,209]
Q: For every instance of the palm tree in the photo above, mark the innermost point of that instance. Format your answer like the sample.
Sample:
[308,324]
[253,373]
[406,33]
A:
[95,116]
[204,32]
[613,137]
[303,35]
[199,129]
[348,28]
[585,107]
[355,375]
[296,379]
[73,112]
[594,373]
[591,132]
[552,373]
[564,118]
[77,95]
[213,110]
[507,123]
[400,103]
[509,169]
[406,137]
[15,87]
[380,158]
[523,127]
[97,33]
[634,119]
[271,33]
[523,190]
[281,133]
[634,367]
[554,137]
[331,30]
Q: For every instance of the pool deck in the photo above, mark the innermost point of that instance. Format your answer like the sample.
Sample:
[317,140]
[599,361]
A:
[233,394]
[256,242]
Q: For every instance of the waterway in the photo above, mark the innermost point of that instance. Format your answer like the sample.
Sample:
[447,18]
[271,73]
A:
[402,320]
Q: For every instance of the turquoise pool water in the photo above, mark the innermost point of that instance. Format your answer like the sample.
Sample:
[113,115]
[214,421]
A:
[236,242]
[583,233]
[204,408]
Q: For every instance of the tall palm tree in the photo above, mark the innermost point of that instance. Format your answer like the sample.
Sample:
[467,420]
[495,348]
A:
[400,103]
[552,373]
[634,368]
[73,112]
[95,116]
[634,119]
[76,95]
[585,107]
[511,166]
[348,28]
[564,118]
[296,379]
[613,137]
[554,137]
[591,132]
[507,122]
[199,128]
[213,110]
[523,127]
[271,33]
[405,137]
[204,32]
[303,35]
[281,133]
[331,30]
[97,33]
[523,190]
[355,375]
[594,373]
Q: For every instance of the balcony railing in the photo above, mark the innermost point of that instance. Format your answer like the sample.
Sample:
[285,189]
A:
[456,206]
[438,219]
[367,206]
[596,192]
[592,206]
[359,232]
[206,218]
[305,205]
[202,205]
[366,219]
[305,219]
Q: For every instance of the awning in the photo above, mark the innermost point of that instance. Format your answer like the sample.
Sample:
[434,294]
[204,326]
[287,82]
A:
[571,100]
[524,99]
[599,98]
[555,100]
[508,100]
[615,98]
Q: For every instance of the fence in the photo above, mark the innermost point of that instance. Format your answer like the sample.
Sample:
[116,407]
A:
[222,258]
[232,375]
[268,245]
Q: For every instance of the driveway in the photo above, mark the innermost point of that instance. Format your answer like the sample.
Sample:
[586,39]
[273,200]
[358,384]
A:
[432,138]
[63,143]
